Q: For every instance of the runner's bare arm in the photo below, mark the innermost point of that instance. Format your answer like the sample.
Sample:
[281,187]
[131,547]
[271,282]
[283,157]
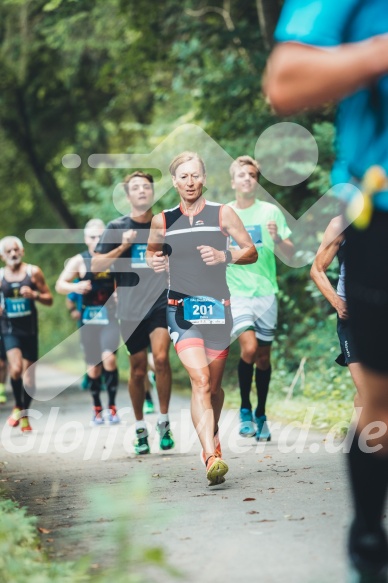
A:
[65,283]
[285,246]
[300,76]
[154,254]
[102,261]
[233,226]
[327,251]
[42,294]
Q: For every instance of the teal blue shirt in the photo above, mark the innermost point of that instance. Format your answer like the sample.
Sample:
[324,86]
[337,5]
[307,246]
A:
[362,118]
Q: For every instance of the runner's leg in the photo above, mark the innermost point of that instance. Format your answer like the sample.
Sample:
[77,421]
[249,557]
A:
[160,345]
[248,353]
[262,377]
[138,365]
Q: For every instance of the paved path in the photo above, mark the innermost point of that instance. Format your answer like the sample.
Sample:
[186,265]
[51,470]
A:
[280,516]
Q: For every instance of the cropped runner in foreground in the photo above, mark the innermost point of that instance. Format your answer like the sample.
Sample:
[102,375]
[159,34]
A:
[339,50]
[21,286]
[333,245]
[190,241]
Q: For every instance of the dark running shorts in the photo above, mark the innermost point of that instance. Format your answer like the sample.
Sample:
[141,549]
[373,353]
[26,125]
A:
[3,355]
[137,336]
[28,345]
[348,350]
[215,338]
[96,339]
[366,288]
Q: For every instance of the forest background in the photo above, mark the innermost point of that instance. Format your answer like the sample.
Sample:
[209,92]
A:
[118,76]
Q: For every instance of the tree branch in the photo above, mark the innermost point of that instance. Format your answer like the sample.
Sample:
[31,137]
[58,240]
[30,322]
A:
[225,13]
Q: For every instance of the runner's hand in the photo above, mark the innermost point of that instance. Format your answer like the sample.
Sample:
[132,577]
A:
[83,287]
[129,237]
[342,309]
[211,256]
[27,292]
[273,231]
[75,315]
[159,262]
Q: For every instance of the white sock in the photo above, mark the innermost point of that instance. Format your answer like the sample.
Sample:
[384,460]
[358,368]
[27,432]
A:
[141,424]
[163,418]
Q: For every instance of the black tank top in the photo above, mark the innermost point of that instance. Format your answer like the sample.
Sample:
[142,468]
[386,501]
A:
[19,315]
[103,284]
[188,274]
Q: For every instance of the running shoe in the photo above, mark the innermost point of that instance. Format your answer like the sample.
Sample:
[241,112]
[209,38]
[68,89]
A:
[25,424]
[262,432]
[114,419]
[141,442]
[148,406]
[14,419]
[247,427]
[368,556]
[97,417]
[216,469]
[3,396]
[165,434]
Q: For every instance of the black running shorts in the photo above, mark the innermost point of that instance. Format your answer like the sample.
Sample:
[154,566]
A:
[137,336]
[348,353]
[366,288]
[28,345]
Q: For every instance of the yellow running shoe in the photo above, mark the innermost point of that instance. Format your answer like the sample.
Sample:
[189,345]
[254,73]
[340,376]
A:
[25,424]
[3,396]
[216,469]
[14,418]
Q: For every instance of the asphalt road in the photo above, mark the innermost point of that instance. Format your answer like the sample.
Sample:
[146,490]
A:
[281,515]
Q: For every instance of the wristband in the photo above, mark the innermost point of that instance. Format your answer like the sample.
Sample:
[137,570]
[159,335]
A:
[228,256]
[278,240]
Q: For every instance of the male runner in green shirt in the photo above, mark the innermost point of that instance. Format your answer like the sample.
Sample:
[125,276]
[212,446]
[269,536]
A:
[253,289]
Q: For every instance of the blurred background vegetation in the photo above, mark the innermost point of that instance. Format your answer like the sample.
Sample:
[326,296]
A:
[117,76]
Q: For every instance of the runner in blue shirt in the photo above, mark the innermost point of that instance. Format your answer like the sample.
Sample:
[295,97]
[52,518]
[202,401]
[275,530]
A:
[339,50]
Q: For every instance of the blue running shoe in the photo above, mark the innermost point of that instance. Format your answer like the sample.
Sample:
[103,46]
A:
[114,419]
[247,427]
[262,432]
[97,417]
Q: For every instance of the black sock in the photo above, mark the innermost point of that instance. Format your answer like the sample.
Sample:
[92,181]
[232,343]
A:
[245,375]
[262,378]
[17,389]
[111,382]
[369,479]
[148,396]
[94,386]
[28,394]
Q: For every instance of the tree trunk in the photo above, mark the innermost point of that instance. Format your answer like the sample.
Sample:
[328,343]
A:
[268,12]
[46,180]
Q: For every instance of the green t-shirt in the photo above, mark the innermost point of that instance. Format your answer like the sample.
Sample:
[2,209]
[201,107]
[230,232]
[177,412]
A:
[257,279]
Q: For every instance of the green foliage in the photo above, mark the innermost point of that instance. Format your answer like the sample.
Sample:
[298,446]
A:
[113,76]
[21,559]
